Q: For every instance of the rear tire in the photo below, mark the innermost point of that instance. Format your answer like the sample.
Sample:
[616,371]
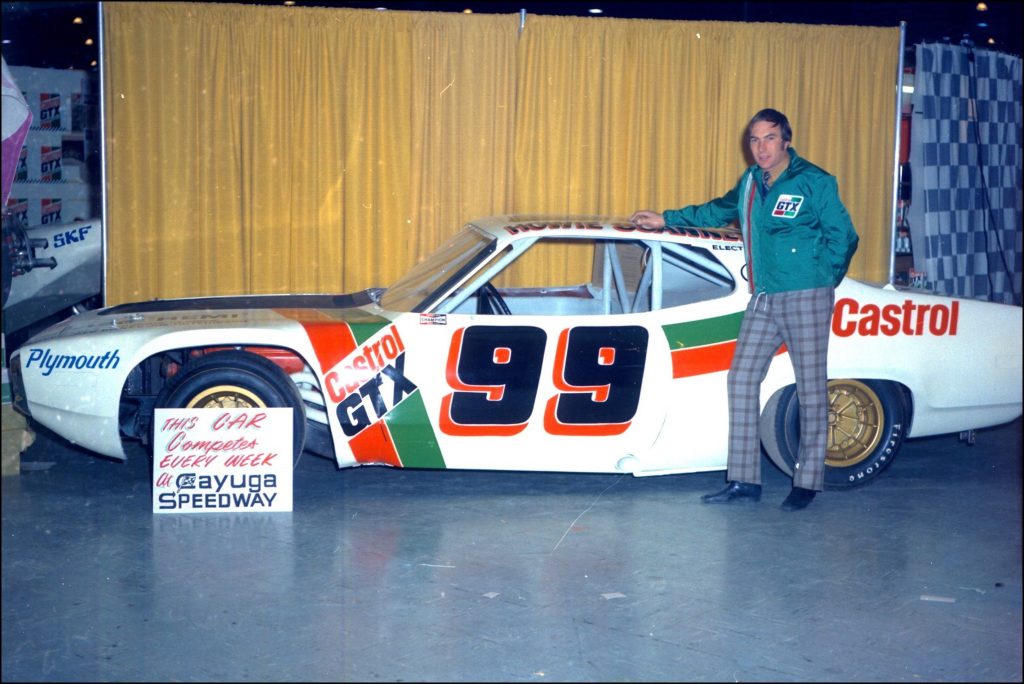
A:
[866,425]
[236,379]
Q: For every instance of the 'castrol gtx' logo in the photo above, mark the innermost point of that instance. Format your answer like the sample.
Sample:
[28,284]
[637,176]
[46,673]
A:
[370,383]
[910,318]
[788,206]
[368,361]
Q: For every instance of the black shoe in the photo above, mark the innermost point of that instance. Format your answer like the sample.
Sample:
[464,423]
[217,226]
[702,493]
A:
[798,498]
[735,491]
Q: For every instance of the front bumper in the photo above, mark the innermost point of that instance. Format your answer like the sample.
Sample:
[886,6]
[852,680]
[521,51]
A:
[18,399]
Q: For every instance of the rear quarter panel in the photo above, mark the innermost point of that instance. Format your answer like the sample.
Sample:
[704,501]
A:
[960,358]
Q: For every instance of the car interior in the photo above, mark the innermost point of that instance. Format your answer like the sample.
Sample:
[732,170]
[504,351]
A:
[626,276]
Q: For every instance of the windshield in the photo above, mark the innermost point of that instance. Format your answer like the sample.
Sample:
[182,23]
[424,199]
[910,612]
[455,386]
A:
[439,272]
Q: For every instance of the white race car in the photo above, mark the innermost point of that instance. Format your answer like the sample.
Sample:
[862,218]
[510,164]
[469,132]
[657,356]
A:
[470,362]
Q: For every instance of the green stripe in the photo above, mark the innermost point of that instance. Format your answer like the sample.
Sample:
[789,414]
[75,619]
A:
[704,332]
[413,435]
[365,328]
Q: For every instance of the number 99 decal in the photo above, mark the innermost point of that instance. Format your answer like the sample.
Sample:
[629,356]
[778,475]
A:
[598,373]
[495,374]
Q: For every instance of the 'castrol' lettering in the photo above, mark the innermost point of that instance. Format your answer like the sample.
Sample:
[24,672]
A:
[371,359]
[910,318]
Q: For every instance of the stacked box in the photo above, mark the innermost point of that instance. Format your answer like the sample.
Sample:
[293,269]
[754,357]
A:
[6,395]
[49,211]
[19,207]
[43,155]
[49,163]
[21,174]
[49,112]
[50,94]
[51,182]
[38,204]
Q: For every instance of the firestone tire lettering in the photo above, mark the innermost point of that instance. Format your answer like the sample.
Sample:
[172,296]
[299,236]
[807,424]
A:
[879,420]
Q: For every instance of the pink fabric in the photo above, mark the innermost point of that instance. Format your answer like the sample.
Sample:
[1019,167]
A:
[16,118]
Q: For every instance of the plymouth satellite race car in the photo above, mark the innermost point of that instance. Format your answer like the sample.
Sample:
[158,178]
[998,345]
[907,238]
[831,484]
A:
[473,361]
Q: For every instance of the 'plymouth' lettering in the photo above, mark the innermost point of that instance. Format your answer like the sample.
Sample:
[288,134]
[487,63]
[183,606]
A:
[44,358]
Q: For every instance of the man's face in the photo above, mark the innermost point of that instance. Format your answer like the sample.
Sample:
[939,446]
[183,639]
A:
[767,146]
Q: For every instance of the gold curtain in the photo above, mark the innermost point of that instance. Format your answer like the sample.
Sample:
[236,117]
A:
[618,114]
[255,149]
[263,149]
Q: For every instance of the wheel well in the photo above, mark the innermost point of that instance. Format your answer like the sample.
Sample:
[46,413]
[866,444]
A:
[868,419]
[906,398]
[906,395]
[908,403]
[145,382]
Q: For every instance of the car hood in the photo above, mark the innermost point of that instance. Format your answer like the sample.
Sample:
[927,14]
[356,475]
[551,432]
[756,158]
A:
[209,313]
[306,301]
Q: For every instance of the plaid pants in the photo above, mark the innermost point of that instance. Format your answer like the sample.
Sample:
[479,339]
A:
[802,320]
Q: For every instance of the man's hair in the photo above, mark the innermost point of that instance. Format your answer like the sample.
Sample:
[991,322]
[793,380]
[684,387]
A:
[773,116]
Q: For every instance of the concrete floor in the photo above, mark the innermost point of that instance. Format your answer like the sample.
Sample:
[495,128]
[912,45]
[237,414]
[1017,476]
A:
[389,575]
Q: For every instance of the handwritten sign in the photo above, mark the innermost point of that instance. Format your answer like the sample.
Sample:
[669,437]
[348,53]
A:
[219,460]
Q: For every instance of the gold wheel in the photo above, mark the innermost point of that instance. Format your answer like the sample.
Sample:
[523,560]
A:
[225,396]
[855,423]
[236,380]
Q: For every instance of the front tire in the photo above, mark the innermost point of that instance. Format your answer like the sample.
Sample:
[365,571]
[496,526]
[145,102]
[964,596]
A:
[236,379]
[866,425]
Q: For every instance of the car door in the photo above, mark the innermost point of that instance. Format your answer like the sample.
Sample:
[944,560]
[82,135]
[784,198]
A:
[569,379]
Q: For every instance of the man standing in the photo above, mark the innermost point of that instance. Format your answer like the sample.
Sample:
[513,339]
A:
[799,240]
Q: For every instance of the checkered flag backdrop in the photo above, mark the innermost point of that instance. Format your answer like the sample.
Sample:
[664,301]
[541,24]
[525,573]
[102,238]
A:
[965,154]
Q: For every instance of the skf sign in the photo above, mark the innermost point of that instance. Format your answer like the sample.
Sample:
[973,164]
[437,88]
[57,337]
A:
[910,318]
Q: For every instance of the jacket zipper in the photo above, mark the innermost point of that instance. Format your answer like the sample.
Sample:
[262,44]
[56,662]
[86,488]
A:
[750,235]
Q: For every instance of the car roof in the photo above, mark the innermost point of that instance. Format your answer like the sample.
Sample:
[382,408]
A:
[510,227]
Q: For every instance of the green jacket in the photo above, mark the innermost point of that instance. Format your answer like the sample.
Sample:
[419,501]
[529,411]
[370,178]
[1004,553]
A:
[798,237]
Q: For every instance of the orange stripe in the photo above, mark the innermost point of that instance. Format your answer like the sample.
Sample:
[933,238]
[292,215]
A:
[332,339]
[374,445]
[709,359]
[701,360]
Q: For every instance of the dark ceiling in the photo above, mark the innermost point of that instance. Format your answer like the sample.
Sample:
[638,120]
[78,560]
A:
[42,34]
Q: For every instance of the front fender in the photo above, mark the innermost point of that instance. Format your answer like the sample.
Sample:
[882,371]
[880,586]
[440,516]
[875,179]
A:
[73,385]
